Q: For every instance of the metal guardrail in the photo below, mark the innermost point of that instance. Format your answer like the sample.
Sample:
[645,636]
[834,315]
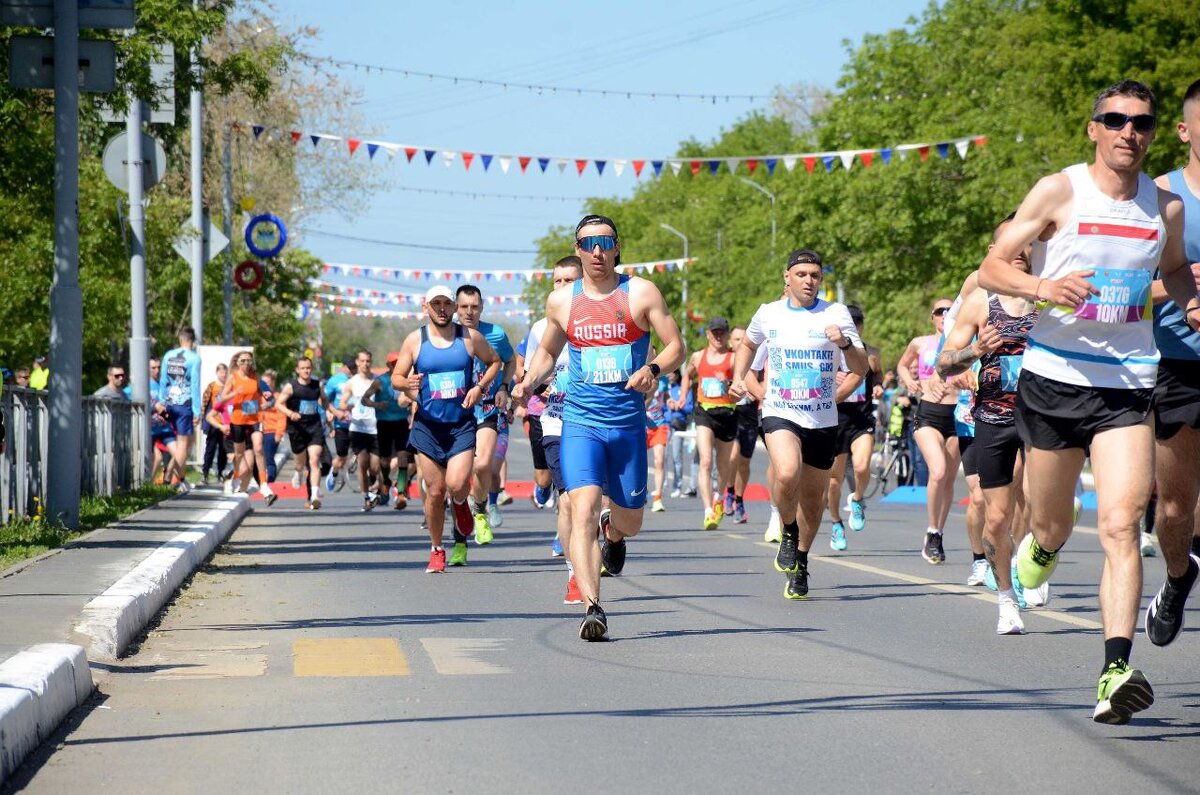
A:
[112,449]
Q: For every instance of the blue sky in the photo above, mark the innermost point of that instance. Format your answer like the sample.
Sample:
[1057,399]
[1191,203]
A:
[702,47]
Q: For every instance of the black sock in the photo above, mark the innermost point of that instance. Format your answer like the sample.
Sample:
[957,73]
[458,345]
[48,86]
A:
[459,538]
[802,556]
[1117,649]
[1184,583]
[738,499]
[978,556]
[729,490]
[792,530]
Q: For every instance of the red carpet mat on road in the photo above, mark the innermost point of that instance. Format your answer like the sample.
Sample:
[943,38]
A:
[518,489]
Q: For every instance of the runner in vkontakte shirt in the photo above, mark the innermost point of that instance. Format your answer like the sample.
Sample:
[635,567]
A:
[605,319]
[806,338]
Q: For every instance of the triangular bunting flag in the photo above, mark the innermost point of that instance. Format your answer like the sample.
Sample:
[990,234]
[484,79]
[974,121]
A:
[713,165]
[695,166]
[295,137]
[924,150]
[771,163]
[409,151]
[600,166]
[580,165]
[732,162]
[847,159]
[789,162]
[751,164]
[961,146]
[353,144]
[371,150]
[505,162]
[866,158]
[809,162]
[657,166]
[885,155]
[258,130]
[429,153]
[562,163]
[467,158]
[487,161]
[943,150]
[448,158]
[618,167]
[981,141]
[638,165]
[829,160]
[676,166]
[316,139]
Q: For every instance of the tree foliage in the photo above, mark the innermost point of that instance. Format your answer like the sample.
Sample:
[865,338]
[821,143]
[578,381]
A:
[1020,72]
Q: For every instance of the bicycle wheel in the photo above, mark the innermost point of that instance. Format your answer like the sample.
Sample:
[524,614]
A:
[904,469]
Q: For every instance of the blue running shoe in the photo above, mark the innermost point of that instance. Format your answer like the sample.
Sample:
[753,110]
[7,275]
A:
[329,481]
[729,503]
[1017,587]
[556,549]
[858,514]
[837,537]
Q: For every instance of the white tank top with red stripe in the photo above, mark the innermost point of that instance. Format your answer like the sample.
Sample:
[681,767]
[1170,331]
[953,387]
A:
[1109,340]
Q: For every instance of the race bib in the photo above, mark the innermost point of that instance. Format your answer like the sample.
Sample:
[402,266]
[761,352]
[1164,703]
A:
[713,387]
[361,412]
[1010,372]
[249,406]
[447,386]
[309,407]
[606,364]
[928,364]
[800,384]
[1122,299]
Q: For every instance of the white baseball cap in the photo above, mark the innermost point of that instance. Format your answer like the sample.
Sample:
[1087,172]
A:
[438,291]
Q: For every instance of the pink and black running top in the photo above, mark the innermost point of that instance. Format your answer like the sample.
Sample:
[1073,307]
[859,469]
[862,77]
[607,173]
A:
[996,401]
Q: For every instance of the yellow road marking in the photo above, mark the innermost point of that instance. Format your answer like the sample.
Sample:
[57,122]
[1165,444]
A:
[963,590]
[348,657]
[457,656]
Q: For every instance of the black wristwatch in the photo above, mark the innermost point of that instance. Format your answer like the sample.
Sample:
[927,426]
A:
[654,369]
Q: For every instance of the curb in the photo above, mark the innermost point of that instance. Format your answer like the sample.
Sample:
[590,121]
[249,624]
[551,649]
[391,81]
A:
[111,621]
[38,688]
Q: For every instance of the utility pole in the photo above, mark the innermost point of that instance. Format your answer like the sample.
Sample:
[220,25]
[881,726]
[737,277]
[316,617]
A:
[683,293]
[66,299]
[197,130]
[139,339]
[227,211]
[770,196]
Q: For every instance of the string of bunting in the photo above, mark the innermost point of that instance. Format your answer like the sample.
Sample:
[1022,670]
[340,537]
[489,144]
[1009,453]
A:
[639,166]
[397,297]
[329,304]
[518,275]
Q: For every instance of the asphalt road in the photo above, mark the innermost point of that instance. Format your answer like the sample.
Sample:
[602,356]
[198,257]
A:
[315,655]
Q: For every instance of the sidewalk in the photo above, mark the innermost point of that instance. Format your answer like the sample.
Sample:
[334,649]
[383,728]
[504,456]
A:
[93,597]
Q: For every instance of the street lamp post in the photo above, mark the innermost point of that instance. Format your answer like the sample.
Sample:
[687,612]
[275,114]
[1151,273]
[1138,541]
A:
[770,196]
[684,292]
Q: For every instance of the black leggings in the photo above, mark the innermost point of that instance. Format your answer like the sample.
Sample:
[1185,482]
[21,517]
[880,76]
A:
[214,446]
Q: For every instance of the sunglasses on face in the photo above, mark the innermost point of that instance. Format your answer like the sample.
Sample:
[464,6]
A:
[941,310]
[118,375]
[605,242]
[1142,123]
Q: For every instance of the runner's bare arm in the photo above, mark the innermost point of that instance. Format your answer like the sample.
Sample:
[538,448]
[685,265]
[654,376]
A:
[402,372]
[754,385]
[481,349]
[905,366]
[281,400]
[540,364]
[959,352]
[846,386]
[742,359]
[1177,278]
[689,372]
[368,398]
[653,307]
[876,364]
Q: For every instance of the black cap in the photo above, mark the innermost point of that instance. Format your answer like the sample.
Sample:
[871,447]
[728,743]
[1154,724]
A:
[804,255]
[856,314]
[717,323]
[39,359]
[596,219]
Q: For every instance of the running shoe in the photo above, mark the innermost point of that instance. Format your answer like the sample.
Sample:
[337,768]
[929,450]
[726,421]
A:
[550,502]
[400,503]
[503,498]
[932,550]
[602,525]
[710,520]
[612,557]
[556,548]
[370,501]
[657,506]
[1164,616]
[1035,597]
[437,562]
[341,482]
[727,508]
[308,505]
[1010,622]
[296,479]
[718,509]
[989,580]
[837,537]
[573,597]
[675,494]
[229,486]
[739,514]
[785,558]
[533,498]
[462,518]
[269,498]
[858,513]
[1034,564]
[595,624]
[458,556]
[774,530]
[383,498]
[689,492]
[483,529]
[1121,692]
[797,583]
[183,487]
[495,519]
[316,503]
[979,572]
[330,481]
[1019,589]
[1148,548]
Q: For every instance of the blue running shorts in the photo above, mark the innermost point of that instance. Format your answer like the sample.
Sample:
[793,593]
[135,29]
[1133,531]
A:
[612,458]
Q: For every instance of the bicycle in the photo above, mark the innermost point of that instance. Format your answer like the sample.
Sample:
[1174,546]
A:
[891,466]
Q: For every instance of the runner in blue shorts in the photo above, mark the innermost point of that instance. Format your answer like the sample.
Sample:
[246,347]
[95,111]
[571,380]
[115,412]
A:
[605,319]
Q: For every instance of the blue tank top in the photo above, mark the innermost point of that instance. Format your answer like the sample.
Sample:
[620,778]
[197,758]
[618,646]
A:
[447,378]
[1175,339]
[387,394]
[605,348]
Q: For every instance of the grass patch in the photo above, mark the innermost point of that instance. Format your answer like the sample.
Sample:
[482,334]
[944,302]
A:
[21,539]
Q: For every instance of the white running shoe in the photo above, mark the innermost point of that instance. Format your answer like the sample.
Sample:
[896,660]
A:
[296,479]
[774,533]
[494,516]
[979,570]
[1010,619]
[503,498]
[1039,596]
[183,487]
[1148,548]
[229,486]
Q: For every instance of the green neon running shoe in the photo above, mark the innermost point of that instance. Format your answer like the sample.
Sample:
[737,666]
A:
[483,529]
[1034,564]
[459,556]
[1122,691]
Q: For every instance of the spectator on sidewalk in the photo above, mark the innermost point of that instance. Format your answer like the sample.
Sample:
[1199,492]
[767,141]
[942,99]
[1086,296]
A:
[21,377]
[215,435]
[678,414]
[40,376]
[115,388]
[155,370]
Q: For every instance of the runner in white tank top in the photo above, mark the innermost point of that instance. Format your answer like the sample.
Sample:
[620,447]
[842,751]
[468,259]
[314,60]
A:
[1086,386]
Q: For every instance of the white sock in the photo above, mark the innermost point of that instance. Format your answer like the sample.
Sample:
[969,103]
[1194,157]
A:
[570,569]
[1007,595]
[437,549]
[934,530]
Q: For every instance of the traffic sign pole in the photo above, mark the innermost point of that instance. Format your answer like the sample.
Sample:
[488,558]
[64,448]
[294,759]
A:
[198,253]
[66,300]
[139,340]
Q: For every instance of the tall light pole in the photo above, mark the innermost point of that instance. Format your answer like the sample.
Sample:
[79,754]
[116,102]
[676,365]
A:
[683,293]
[197,163]
[770,196]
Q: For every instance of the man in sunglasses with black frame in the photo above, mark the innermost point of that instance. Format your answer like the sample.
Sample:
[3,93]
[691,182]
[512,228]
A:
[1177,404]
[606,319]
[1088,376]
